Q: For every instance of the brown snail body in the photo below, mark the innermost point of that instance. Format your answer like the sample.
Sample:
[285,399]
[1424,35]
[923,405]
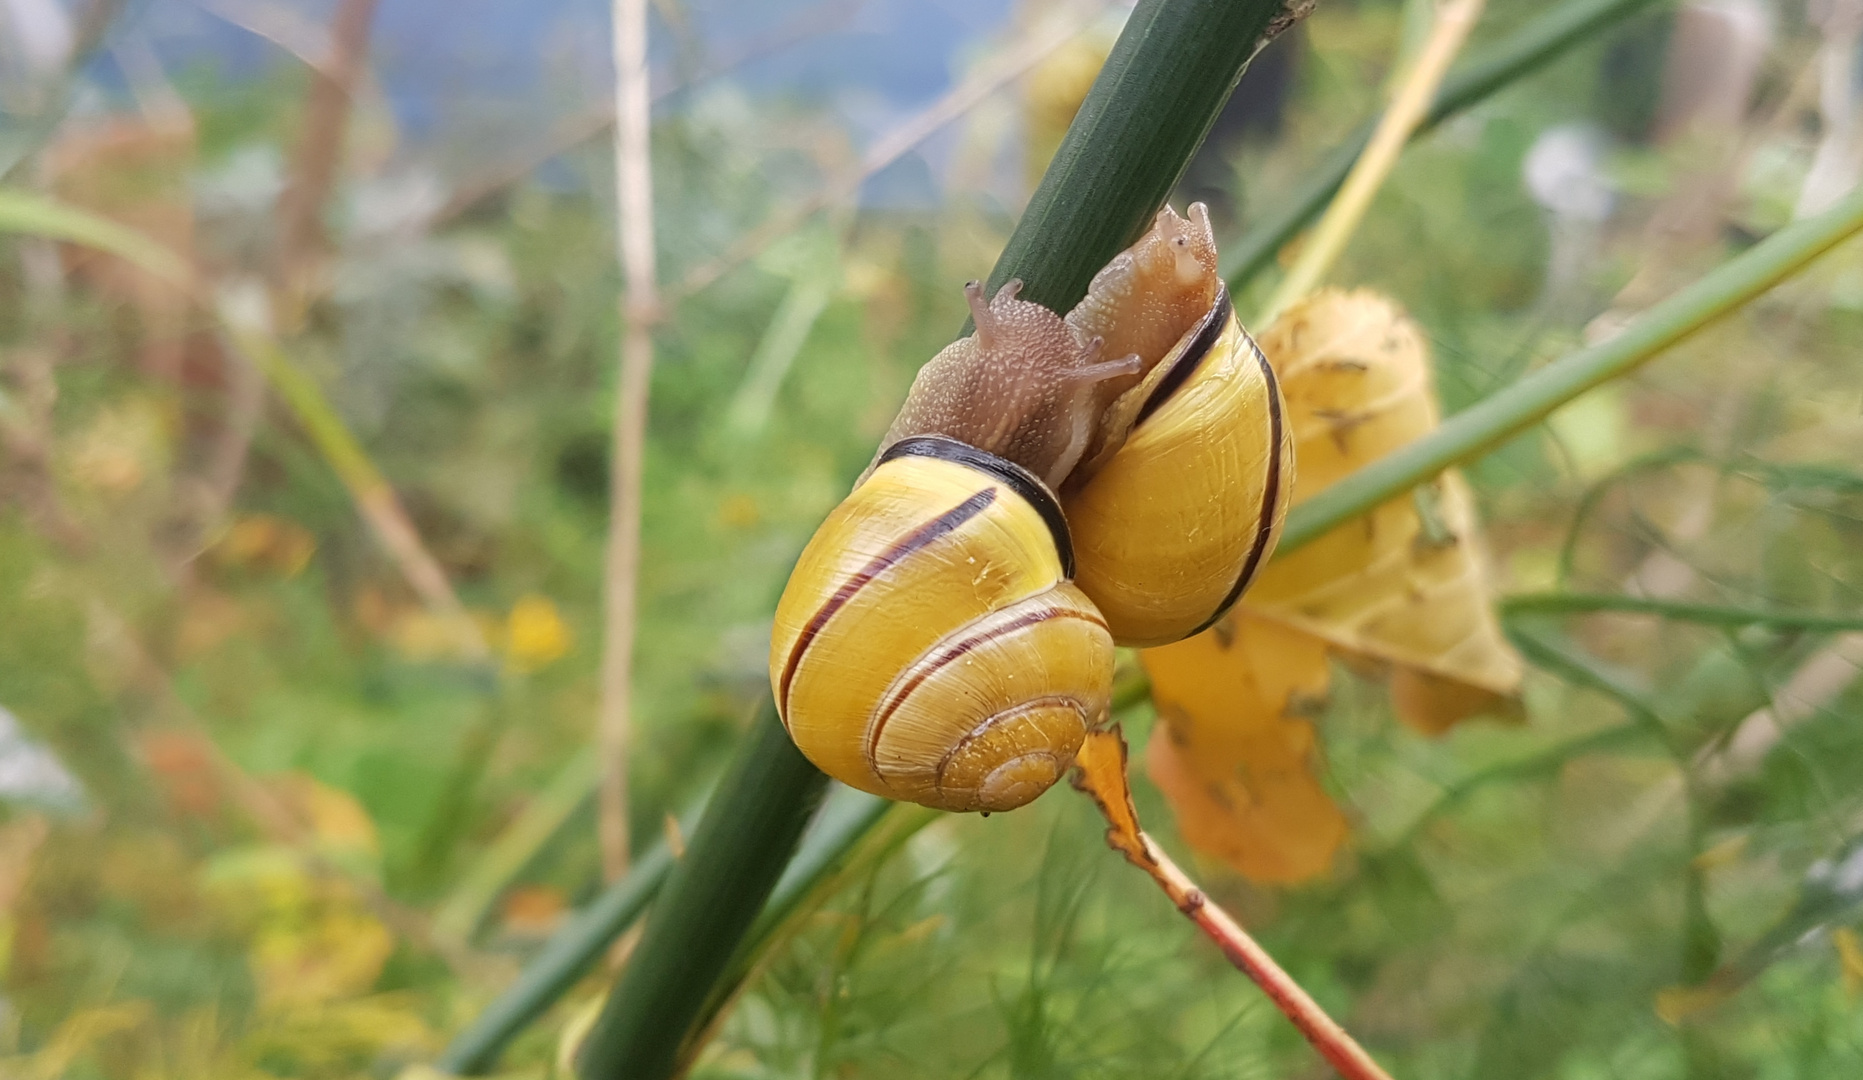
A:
[1051,487]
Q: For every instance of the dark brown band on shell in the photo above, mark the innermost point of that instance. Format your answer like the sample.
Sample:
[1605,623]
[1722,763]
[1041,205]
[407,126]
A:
[957,652]
[926,534]
[1018,479]
[1271,489]
[1209,331]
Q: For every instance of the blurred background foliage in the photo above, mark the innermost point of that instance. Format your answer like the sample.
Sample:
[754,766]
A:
[254,791]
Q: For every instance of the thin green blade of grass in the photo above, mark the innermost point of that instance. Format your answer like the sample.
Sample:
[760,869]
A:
[472,897]
[1167,77]
[1490,422]
[1710,614]
[854,831]
[27,213]
[1539,43]
[565,958]
[710,898]
[30,214]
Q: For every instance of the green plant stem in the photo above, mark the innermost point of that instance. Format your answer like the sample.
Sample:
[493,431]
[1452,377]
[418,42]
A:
[1609,739]
[1168,76]
[846,817]
[516,847]
[1712,614]
[854,830]
[1540,42]
[1558,655]
[30,214]
[710,899]
[247,335]
[568,955]
[1495,419]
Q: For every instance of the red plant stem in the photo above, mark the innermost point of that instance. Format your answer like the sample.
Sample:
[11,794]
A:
[1100,772]
[1332,1041]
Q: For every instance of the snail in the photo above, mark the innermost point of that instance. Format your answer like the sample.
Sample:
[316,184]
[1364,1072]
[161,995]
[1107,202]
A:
[1178,505]
[932,643]
[929,645]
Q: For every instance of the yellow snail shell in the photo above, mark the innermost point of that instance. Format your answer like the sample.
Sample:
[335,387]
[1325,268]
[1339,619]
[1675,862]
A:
[1183,515]
[929,646]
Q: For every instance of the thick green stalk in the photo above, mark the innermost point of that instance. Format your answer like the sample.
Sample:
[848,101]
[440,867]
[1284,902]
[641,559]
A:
[1488,423]
[854,830]
[1475,430]
[568,955]
[712,896]
[1168,76]
[1540,42]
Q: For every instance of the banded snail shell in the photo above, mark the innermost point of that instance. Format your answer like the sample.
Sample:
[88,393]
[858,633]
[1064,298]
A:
[1175,524]
[929,646]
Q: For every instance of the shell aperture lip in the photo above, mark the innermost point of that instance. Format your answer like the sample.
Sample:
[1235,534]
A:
[1208,332]
[924,535]
[1015,477]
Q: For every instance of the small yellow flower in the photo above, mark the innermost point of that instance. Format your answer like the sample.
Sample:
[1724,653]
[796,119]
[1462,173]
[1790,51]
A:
[266,542]
[738,512]
[1850,956]
[535,634]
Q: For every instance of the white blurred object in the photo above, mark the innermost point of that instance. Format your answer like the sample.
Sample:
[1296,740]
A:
[1564,171]
[1835,169]
[30,773]
[1714,61]
[35,35]
[397,205]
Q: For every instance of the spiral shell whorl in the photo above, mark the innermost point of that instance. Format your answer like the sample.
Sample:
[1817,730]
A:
[991,715]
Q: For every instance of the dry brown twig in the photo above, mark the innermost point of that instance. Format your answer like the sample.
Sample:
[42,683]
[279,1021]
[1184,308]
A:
[640,310]
[1015,60]
[314,165]
[338,63]
[598,120]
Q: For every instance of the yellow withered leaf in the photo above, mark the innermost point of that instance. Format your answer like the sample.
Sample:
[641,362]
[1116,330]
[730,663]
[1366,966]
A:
[1404,587]
[1407,583]
[1233,753]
